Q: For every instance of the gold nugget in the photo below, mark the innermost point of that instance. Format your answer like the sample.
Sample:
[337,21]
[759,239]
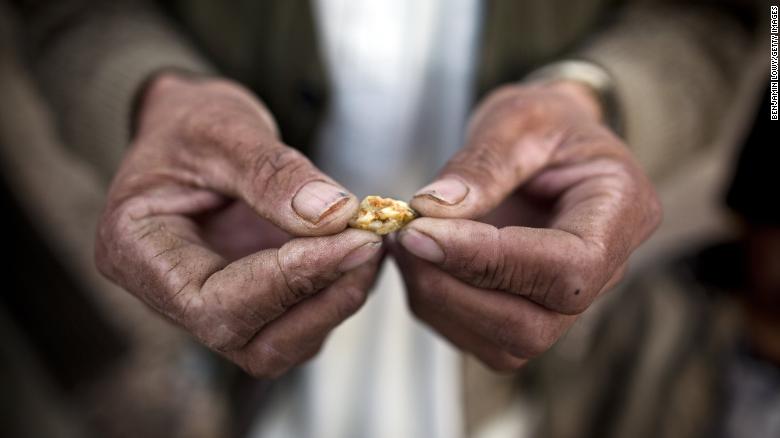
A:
[382,215]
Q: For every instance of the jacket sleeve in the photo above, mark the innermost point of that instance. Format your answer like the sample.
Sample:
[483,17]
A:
[91,58]
[677,67]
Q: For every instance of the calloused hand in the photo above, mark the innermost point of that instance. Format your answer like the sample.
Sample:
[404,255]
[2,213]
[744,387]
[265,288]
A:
[563,204]
[199,223]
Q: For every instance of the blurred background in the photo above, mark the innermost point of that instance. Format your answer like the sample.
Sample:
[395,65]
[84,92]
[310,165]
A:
[688,345]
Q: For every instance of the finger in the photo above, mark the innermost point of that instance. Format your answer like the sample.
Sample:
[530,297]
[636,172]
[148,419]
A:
[254,291]
[466,340]
[298,334]
[550,267]
[459,335]
[514,324]
[229,144]
[604,209]
[284,187]
[497,158]
[162,259]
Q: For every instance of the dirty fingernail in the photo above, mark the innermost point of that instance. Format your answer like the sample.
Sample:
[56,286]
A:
[448,191]
[317,199]
[359,256]
[421,245]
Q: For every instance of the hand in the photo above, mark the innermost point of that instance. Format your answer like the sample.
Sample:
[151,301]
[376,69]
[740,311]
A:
[567,202]
[204,196]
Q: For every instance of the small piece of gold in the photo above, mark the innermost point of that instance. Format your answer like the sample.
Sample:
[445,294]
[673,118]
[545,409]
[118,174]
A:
[382,215]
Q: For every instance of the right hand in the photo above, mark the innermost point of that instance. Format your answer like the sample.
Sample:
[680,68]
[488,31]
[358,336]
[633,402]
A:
[206,152]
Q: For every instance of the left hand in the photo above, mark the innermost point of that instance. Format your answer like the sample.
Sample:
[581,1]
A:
[231,234]
[568,204]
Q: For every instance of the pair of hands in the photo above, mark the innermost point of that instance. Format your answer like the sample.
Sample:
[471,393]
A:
[216,224]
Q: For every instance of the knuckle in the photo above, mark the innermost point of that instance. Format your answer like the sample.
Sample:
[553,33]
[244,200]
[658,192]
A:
[260,369]
[119,233]
[352,299]
[206,124]
[217,122]
[222,324]
[181,299]
[502,362]
[545,338]
[298,278]
[531,346]
[298,286]
[577,138]
[218,333]
[508,336]
[485,163]
[274,168]
[484,155]
[484,268]
[267,363]
[514,337]
[487,266]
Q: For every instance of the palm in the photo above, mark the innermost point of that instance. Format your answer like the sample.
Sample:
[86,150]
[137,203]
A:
[235,231]
[522,208]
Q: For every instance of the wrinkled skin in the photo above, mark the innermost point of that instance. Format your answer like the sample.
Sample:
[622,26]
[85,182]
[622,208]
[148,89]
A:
[200,219]
[217,225]
[562,205]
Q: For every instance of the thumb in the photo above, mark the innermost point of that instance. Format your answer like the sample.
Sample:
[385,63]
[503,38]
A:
[283,186]
[478,178]
[502,151]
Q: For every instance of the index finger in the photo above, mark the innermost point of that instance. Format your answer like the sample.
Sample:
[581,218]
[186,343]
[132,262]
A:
[603,214]
[160,257]
[515,324]
[510,139]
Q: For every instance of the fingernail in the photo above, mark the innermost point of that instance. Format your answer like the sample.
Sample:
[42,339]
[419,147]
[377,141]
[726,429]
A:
[421,245]
[359,256]
[317,199]
[448,191]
